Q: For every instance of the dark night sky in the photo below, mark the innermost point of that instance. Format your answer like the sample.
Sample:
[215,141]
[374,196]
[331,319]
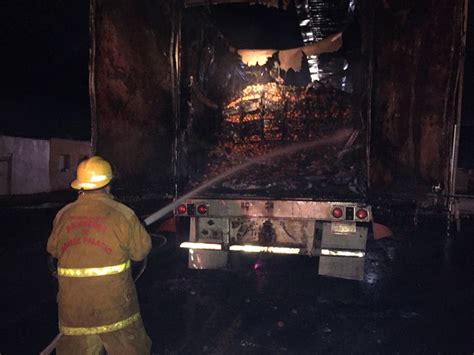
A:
[44,91]
[258,26]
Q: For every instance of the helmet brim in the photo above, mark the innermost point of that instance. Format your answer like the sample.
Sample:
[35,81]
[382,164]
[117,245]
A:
[78,185]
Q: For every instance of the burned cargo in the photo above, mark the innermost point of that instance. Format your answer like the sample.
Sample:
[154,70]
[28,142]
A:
[272,116]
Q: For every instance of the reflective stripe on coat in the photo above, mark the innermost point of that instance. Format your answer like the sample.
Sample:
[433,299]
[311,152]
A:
[97,232]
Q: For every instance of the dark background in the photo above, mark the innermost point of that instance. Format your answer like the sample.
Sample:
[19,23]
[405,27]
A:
[45,54]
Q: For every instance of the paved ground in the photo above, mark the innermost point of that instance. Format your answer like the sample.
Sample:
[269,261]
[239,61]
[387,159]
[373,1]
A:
[417,297]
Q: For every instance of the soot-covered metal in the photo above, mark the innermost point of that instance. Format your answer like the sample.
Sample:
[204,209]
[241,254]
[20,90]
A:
[418,55]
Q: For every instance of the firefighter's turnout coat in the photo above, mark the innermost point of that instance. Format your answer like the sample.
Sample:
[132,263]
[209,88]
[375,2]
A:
[94,239]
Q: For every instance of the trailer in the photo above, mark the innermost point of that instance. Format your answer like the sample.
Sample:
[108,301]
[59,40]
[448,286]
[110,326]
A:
[186,75]
[298,149]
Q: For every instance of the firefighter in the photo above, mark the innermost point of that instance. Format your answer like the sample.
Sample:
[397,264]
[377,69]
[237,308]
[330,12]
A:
[94,239]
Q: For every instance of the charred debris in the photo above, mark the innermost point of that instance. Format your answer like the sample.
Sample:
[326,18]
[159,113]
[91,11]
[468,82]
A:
[236,111]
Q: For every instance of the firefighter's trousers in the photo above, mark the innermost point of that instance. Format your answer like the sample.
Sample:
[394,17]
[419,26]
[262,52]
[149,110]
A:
[131,340]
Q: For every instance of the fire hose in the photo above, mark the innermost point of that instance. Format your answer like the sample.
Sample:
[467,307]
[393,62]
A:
[52,267]
[340,136]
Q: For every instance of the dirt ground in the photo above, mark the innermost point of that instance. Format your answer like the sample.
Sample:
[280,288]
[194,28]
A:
[417,296]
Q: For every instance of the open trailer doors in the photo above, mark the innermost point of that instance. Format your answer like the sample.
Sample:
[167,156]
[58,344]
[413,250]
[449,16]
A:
[244,103]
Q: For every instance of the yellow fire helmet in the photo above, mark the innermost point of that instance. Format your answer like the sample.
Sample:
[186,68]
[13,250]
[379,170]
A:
[92,174]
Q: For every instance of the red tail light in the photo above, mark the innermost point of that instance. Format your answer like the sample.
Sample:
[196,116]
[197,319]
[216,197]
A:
[202,209]
[361,214]
[337,212]
[181,209]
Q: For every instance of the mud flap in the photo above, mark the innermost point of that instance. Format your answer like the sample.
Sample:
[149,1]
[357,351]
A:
[207,259]
[343,248]
[342,266]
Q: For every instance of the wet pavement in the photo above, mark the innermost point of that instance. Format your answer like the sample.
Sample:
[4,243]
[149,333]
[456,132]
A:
[417,297]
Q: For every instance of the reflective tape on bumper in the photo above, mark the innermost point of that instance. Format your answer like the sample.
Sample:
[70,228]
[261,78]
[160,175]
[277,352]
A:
[264,249]
[350,253]
[193,245]
[94,271]
[100,329]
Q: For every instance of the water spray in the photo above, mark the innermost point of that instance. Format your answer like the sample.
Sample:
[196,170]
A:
[338,137]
